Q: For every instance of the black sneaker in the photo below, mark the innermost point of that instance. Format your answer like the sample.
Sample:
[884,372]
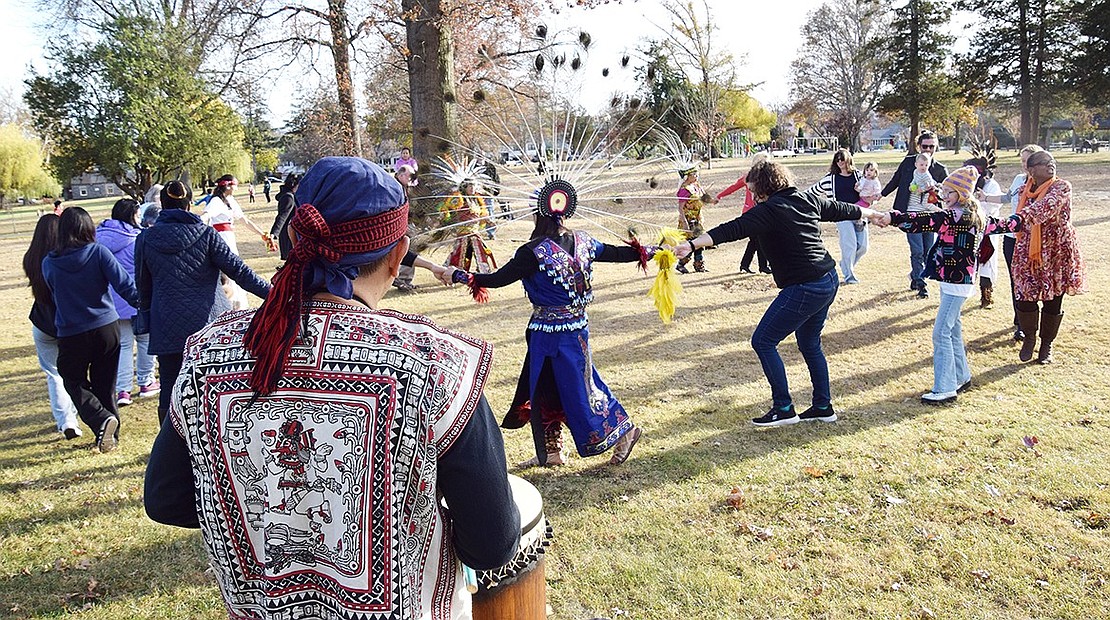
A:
[777,417]
[681,268]
[72,433]
[821,415]
[922,293]
[107,439]
[965,387]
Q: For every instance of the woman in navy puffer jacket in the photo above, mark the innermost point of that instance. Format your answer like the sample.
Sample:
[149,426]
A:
[178,262]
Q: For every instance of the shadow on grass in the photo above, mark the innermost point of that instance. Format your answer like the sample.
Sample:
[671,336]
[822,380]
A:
[133,572]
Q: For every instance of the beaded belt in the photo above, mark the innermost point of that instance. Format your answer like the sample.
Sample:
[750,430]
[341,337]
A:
[558,318]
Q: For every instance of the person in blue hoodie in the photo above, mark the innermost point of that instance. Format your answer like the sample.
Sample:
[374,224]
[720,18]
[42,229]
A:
[79,273]
[118,235]
[178,262]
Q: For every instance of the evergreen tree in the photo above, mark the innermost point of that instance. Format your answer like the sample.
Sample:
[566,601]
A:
[1022,54]
[917,49]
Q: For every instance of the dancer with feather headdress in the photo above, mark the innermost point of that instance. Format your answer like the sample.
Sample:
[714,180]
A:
[691,197]
[465,211]
[558,383]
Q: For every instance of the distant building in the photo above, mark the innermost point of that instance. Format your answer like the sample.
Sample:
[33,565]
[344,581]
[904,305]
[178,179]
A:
[91,185]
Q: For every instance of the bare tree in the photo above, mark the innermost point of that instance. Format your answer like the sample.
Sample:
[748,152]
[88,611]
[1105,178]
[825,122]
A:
[836,74]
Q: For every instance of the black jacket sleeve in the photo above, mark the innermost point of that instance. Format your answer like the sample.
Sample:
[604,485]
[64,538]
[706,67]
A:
[835,211]
[896,179]
[409,259]
[143,280]
[169,491]
[522,265]
[485,522]
[617,254]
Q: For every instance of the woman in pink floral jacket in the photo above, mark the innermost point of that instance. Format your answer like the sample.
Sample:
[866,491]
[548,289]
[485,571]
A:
[1047,263]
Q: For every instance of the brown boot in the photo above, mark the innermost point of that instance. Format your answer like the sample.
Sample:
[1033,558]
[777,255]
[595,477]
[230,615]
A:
[699,266]
[986,297]
[1028,323]
[1050,326]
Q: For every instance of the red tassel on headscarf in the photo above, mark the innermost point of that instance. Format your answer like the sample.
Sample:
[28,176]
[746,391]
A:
[479,293]
[277,323]
[635,243]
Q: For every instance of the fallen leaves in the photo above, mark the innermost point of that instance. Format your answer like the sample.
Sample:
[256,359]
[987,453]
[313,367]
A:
[735,498]
[1030,442]
[815,472]
[1096,521]
[759,533]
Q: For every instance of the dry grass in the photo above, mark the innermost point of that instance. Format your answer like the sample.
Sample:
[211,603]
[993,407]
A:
[897,511]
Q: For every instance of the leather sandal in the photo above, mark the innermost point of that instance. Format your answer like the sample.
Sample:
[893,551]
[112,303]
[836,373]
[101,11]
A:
[624,446]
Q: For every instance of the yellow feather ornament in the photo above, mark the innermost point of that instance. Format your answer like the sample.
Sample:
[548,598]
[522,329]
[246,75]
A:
[666,288]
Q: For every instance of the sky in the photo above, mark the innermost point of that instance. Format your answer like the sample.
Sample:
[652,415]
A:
[762,35]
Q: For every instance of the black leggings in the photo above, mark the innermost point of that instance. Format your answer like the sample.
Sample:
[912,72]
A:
[1051,306]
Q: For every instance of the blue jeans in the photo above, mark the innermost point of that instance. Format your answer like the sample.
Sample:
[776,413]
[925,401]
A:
[853,245]
[800,309]
[132,348]
[919,246]
[61,405]
[950,369]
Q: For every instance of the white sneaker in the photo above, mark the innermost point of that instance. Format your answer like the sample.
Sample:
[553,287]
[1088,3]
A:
[938,398]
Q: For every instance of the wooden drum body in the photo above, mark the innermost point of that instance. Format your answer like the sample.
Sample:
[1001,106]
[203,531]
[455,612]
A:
[518,590]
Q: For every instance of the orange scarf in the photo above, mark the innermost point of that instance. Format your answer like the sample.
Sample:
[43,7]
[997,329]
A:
[1028,194]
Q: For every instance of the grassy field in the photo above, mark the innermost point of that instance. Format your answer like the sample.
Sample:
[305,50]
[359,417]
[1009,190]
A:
[897,511]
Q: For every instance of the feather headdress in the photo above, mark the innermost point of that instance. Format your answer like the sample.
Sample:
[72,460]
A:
[459,171]
[680,157]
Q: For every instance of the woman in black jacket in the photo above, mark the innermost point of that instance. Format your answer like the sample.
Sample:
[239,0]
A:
[43,241]
[788,224]
[178,262]
[286,204]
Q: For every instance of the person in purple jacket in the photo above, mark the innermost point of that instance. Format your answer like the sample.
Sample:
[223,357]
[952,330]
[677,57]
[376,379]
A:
[118,235]
[79,273]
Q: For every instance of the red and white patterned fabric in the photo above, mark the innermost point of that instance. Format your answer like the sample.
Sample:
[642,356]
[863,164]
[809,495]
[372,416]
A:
[319,500]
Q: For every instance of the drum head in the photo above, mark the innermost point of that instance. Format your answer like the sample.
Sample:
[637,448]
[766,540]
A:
[528,501]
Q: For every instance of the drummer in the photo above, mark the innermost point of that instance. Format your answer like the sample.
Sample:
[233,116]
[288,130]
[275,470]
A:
[366,417]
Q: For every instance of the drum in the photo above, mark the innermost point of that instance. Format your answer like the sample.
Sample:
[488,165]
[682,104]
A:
[518,590]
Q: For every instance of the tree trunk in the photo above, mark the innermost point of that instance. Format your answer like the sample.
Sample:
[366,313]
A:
[957,132]
[431,65]
[341,55]
[1038,71]
[1024,75]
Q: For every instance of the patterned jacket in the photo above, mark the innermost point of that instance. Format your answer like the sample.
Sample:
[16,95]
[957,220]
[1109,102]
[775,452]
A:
[322,499]
[954,257]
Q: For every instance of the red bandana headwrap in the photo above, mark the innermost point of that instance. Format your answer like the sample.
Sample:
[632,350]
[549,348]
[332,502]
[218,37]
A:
[277,324]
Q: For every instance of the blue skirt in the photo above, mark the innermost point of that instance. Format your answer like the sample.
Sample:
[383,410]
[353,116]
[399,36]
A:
[559,384]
